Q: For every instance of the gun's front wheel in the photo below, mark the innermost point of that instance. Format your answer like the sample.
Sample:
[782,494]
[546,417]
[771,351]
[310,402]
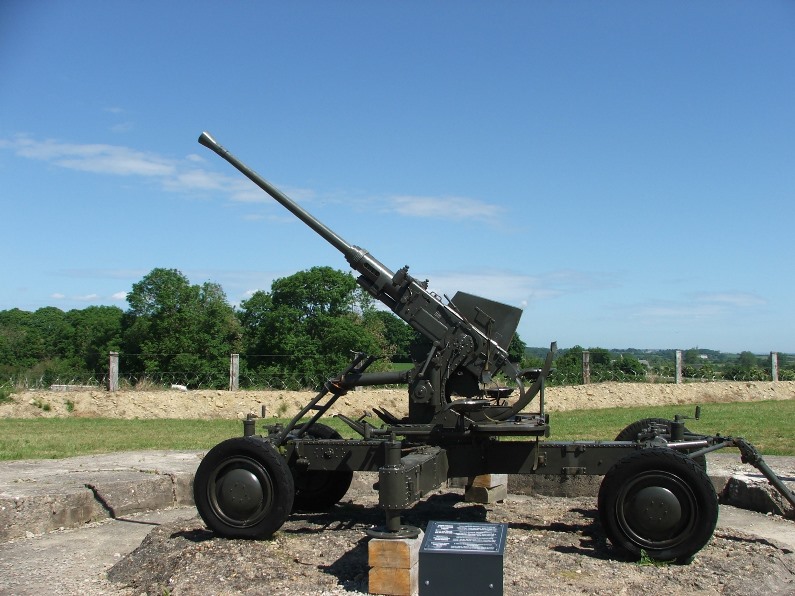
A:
[659,503]
[243,488]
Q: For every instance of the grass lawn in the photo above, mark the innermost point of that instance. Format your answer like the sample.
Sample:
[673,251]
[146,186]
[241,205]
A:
[768,425]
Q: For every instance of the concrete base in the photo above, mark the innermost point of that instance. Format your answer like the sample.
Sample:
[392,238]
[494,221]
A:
[38,496]
[44,495]
[737,484]
[755,493]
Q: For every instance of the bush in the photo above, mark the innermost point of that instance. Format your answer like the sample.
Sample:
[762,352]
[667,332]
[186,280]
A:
[5,395]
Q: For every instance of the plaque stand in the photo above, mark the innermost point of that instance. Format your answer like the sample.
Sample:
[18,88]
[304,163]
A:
[462,558]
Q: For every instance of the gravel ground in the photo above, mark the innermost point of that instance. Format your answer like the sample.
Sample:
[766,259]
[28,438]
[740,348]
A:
[554,546]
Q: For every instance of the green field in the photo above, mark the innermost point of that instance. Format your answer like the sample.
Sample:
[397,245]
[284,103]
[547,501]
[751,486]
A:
[768,425]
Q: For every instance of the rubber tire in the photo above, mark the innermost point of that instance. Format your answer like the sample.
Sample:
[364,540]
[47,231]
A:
[243,488]
[320,490]
[638,482]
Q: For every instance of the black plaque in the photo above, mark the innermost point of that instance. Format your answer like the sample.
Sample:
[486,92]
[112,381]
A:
[462,557]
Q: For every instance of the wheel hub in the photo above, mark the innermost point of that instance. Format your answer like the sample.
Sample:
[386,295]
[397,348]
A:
[655,510]
[239,493]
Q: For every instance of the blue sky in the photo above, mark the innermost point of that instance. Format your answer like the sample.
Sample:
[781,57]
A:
[623,171]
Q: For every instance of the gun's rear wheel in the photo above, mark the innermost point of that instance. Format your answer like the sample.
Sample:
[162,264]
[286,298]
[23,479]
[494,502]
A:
[659,503]
[320,490]
[243,488]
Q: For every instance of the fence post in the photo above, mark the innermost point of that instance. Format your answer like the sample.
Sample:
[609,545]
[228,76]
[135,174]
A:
[679,367]
[113,372]
[774,365]
[234,372]
[586,367]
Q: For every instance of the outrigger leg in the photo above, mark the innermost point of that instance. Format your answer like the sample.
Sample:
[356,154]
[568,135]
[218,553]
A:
[750,455]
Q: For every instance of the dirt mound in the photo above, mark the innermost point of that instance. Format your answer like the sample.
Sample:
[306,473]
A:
[208,404]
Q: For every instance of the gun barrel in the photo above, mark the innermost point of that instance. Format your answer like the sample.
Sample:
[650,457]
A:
[331,237]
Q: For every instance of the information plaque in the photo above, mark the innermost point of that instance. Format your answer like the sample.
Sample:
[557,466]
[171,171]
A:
[462,557]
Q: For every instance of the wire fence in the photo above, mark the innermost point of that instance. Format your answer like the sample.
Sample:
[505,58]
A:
[247,379]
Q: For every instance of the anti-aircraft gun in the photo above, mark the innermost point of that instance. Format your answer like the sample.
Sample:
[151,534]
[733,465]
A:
[464,396]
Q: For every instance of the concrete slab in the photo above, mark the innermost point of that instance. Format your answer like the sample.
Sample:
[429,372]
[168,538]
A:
[38,496]
[736,483]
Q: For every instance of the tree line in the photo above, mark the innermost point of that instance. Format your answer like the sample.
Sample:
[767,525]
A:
[306,327]
[638,365]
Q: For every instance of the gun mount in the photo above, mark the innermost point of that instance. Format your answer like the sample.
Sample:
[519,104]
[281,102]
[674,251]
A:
[655,498]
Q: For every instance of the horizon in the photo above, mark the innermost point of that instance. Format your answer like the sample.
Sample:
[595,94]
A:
[620,171]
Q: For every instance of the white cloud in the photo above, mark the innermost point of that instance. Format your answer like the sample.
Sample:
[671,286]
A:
[733,299]
[57,296]
[518,289]
[122,127]
[119,296]
[187,175]
[699,306]
[456,208]
[97,158]
[195,179]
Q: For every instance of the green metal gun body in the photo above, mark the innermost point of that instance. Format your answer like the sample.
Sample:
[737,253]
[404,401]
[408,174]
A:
[469,336]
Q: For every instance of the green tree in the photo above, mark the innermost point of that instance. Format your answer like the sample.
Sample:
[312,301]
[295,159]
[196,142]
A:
[600,357]
[397,334]
[16,341]
[629,368]
[308,325]
[746,368]
[516,349]
[568,366]
[692,357]
[319,291]
[97,331]
[51,334]
[175,327]
[747,361]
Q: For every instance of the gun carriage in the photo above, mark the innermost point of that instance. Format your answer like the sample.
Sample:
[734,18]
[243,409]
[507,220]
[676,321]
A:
[465,397]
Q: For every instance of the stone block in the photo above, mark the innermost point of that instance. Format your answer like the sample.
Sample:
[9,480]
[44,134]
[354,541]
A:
[481,494]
